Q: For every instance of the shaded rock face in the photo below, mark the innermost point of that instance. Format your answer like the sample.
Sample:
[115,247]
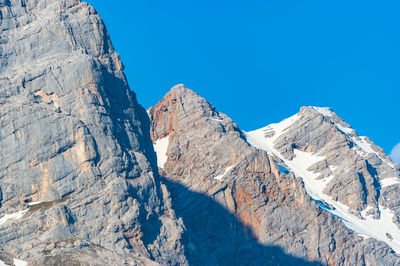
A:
[238,202]
[75,142]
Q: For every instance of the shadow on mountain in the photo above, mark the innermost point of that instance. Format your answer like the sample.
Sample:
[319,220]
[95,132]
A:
[216,237]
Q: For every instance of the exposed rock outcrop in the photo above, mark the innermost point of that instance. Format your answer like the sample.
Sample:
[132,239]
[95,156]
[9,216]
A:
[79,183]
[360,169]
[76,163]
[207,154]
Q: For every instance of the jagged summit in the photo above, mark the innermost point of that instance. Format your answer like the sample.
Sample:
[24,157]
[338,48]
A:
[181,93]
[305,174]
[87,177]
[350,176]
[181,103]
[181,88]
[361,143]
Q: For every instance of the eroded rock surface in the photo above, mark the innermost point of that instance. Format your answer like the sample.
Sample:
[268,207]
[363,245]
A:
[361,171]
[79,183]
[75,143]
[250,194]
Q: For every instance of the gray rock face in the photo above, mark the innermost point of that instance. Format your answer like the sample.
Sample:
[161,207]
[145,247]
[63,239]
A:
[74,139]
[239,202]
[362,171]
[79,183]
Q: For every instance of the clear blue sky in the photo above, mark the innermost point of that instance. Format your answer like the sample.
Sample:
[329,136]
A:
[260,61]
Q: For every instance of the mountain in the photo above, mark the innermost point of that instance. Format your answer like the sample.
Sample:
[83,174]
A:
[79,183]
[348,175]
[308,186]
[89,177]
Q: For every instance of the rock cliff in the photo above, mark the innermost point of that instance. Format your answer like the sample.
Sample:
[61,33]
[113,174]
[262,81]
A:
[205,153]
[88,177]
[77,168]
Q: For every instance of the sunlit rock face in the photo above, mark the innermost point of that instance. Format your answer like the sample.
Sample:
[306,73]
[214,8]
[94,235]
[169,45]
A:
[242,195]
[80,162]
[75,144]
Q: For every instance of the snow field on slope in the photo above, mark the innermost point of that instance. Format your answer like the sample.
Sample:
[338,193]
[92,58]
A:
[17,262]
[383,229]
[161,147]
[16,216]
[219,177]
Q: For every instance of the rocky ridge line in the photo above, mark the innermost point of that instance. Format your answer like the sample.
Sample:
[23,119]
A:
[207,154]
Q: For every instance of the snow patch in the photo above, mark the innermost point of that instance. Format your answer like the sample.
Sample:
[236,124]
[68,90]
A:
[15,216]
[226,171]
[301,163]
[364,213]
[389,181]
[161,147]
[346,130]
[257,138]
[362,143]
[325,111]
[33,203]
[18,262]
[332,167]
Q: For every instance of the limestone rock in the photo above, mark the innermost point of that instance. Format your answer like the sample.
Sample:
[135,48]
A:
[75,143]
[79,183]
[242,202]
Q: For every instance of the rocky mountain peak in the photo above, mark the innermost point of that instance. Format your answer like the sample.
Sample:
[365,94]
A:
[181,89]
[350,176]
[362,144]
[88,177]
[78,179]
[178,107]
[313,162]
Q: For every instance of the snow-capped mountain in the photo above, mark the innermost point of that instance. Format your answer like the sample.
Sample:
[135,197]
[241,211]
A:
[88,177]
[323,145]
